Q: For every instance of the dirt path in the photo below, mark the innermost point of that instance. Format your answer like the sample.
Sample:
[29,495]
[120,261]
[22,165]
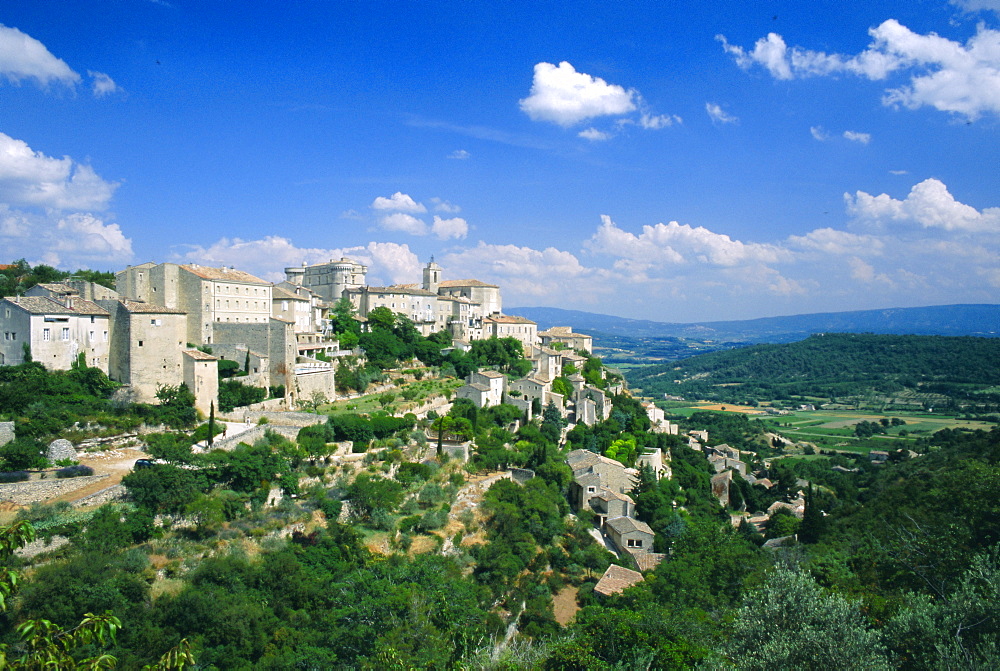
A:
[564,605]
[116,463]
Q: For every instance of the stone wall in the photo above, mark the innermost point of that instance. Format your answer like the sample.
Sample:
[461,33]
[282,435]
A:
[6,432]
[31,491]
[254,434]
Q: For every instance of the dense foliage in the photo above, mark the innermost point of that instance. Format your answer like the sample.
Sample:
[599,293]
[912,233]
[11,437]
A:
[835,365]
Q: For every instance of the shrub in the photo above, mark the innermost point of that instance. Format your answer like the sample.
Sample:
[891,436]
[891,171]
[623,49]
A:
[14,476]
[74,471]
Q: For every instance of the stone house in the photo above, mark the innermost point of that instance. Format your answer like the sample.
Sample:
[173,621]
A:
[146,345]
[484,388]
[546,363]
[297,305]
[630,534]
[56,331]
[482,293]
[416,304]
[508,326]
[565,336]
[532,388]
[201,375]
[653,457]
[592,472]
[609,505]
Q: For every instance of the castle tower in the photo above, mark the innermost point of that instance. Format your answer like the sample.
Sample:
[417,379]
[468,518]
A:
[295,275]
[432,276]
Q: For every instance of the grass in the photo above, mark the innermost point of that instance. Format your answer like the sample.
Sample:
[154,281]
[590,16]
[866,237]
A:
[422,390]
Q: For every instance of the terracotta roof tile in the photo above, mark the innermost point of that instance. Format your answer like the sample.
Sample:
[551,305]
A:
[616,580]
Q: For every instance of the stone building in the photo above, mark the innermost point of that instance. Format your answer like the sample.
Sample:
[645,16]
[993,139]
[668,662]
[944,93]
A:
[485,294]
[565,336]
[417,305]
[329,280]
[148,351]
[208,295]
[508,326]
[56,331]
[485,388]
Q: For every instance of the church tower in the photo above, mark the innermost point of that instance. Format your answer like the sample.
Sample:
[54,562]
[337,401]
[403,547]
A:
[432,276]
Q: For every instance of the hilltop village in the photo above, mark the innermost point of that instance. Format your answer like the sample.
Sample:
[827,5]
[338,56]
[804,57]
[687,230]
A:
[419,480]
[166,324]
[170,324]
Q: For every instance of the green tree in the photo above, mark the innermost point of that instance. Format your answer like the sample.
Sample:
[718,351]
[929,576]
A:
[789,623]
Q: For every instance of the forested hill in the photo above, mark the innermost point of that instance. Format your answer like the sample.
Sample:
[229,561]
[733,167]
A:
[885,362]
[951,320]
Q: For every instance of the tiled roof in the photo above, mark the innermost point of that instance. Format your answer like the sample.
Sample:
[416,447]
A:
[508,319]
[38,305]
[281,293]
[57,287]
[647,561]
[607,495]
[448,284]
[198,355]
[223,274]
[624,525]
[394,289]
[617,579]
[490,373]
[141,307]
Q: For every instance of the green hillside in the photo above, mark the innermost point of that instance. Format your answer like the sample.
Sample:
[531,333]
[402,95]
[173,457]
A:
[963,371]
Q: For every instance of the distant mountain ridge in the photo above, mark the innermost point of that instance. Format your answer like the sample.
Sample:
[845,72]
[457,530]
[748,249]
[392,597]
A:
[951,320]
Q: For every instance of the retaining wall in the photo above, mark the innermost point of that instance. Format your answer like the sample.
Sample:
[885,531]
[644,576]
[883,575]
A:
[32,491]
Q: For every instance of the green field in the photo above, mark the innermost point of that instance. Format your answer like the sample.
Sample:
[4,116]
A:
[834,429]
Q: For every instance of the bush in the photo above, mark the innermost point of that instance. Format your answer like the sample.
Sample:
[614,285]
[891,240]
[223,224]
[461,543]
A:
[15,476]
[74,471]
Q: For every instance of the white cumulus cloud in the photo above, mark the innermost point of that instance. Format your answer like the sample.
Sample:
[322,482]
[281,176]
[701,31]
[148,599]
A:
[718,115]
[31,178]
[102,85]
[398,202]
[441,205]
[818,133]
[835,242]
[944,74]
[406,223]
[68,241]
[862,138]
[594,135]
[388,262]
[564,96]
[23,57]
[928,204]
[978,5]
[459,154]
[679,243]
[657,121]
[447,229]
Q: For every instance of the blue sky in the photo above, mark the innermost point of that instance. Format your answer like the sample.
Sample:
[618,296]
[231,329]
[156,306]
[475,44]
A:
[697,161]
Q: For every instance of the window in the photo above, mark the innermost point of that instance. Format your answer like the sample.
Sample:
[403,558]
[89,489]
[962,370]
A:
[105,336]
[155,322]
[65,334]
[634,543]
[284,308]
[91,336]
[140,343]
[591,490]
[46,334]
